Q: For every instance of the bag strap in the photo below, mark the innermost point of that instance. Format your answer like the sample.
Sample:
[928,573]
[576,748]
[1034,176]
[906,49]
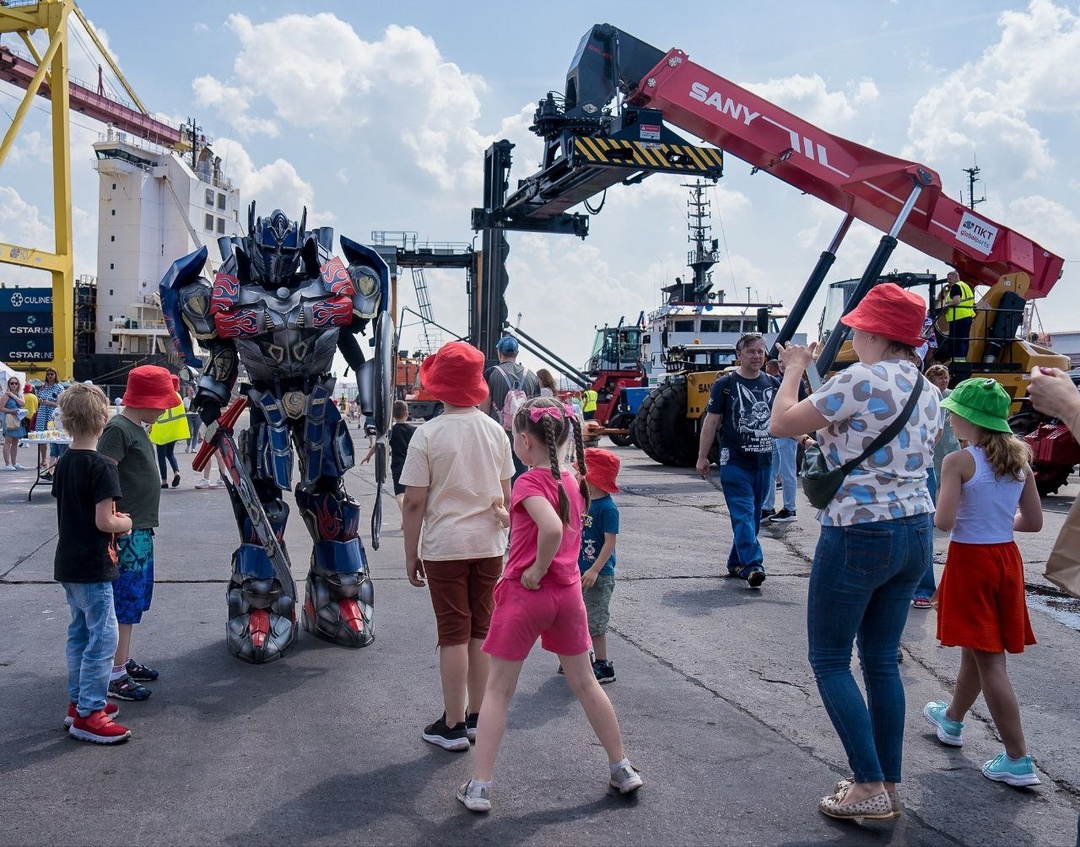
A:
[890,432]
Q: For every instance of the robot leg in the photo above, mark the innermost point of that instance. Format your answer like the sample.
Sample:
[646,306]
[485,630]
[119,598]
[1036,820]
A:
[262,617]
[339,603]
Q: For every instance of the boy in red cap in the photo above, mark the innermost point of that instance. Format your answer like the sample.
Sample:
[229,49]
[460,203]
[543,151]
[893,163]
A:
[457,479]
[596,561]
[149,393]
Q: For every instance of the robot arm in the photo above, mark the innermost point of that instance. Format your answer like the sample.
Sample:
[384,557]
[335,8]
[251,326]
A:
[370,279]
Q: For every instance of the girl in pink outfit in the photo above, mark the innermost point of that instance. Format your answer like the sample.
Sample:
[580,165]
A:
[539,595]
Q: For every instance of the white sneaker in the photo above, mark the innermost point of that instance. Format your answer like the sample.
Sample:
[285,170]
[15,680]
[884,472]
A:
[9,467]
[19,467]
[204,483]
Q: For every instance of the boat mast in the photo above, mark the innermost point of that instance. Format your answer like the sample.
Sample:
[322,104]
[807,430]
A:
[706,250]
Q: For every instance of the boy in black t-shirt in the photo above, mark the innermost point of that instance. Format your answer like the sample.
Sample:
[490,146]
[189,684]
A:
[401,434]
[85,485]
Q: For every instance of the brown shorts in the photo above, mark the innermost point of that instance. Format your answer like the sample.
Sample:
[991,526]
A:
[461,597]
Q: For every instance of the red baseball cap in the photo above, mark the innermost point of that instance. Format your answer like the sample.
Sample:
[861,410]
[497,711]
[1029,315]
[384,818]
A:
[891,312]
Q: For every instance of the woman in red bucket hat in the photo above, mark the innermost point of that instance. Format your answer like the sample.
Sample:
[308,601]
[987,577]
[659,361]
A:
[457,479]
[149,393]
[876,534]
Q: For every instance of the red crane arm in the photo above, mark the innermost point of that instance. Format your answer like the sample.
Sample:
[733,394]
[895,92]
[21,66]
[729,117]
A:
[20,72]
[868,184]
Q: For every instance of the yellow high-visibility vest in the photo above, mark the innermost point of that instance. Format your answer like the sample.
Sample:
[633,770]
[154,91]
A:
[588,400]
[966,309]
[171,426]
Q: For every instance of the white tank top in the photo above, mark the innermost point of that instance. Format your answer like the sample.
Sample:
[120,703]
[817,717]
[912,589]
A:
[987,504]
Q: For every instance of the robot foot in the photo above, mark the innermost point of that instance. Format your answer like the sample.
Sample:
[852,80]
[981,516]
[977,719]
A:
[260,636]
[346,622]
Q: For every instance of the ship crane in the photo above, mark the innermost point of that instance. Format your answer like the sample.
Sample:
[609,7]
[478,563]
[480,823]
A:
[45,74]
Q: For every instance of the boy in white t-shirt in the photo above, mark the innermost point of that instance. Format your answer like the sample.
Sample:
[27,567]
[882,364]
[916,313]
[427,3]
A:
[457,478]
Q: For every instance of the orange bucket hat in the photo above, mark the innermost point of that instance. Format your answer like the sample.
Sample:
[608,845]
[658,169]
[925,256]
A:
[455,374]
[891,312]
[150,387]
[601,468]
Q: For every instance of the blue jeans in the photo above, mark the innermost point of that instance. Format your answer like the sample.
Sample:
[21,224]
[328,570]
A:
[91,643]
[783,463]
[928,584]
[861,585]
[744,492]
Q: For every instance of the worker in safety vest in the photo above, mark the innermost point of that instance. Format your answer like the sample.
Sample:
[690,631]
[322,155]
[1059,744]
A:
[171,427]
[959,313]
[588,404]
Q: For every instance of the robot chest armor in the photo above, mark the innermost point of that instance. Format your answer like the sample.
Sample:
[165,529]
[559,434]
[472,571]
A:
[276,318]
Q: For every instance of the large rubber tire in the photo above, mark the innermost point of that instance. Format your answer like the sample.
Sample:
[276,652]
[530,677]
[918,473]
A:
[637,428]
[671,435]
[621,422]
[1049,478]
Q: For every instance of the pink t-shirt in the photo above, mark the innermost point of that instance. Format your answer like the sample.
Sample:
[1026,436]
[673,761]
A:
[538,482]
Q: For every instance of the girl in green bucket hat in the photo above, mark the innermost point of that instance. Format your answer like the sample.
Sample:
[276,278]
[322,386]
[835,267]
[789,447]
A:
[987,492]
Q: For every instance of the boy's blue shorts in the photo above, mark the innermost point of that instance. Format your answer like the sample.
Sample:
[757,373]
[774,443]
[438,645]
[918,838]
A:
[133,589]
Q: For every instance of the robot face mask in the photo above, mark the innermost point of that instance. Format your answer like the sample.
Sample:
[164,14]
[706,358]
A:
[275,248]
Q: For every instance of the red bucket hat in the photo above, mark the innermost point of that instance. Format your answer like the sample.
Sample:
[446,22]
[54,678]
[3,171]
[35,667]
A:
[150,387]
[891,312]
[455,374]
[601,468]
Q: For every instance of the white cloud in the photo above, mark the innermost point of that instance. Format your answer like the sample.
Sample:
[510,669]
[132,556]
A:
[276,185]
[317,73]
[809,98]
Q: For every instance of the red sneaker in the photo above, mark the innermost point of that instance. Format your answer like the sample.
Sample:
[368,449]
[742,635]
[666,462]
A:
[111,709]
[98,728]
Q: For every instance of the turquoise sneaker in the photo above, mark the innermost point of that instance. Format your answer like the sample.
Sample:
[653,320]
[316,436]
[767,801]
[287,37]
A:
[948,731]
[1018,772]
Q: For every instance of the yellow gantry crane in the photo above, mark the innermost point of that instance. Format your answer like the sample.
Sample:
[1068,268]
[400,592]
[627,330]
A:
[50,16]
[47,76]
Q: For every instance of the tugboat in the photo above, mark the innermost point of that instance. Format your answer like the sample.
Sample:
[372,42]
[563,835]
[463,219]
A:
[697,320]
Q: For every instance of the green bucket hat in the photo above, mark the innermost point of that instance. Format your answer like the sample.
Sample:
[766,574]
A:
[983,402]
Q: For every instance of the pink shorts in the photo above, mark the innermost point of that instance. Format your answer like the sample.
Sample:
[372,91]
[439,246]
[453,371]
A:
[554,612]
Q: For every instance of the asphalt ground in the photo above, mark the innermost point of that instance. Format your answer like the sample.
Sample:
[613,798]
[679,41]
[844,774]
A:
[717,703]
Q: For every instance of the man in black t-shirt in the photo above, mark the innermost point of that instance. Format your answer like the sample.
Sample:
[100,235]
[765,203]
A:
[740,406]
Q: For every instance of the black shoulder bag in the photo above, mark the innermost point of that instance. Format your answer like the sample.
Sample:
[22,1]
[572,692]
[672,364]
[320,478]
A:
[820,482]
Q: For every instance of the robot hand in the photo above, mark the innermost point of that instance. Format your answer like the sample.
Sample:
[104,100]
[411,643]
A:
[209,411]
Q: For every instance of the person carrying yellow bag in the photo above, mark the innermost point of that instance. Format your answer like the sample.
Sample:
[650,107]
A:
[171,427]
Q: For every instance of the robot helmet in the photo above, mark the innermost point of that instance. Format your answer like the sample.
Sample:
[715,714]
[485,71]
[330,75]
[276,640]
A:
[275,246]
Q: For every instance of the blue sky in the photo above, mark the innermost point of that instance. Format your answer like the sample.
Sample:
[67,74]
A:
[376,117]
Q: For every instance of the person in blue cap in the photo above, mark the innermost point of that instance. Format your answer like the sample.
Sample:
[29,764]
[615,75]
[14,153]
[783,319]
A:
[509,386]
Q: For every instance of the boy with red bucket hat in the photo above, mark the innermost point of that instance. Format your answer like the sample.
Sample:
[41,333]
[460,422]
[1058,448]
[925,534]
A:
[457,480]
[149,393]
[597,558]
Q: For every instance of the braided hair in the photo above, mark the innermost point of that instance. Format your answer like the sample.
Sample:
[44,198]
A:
[553,429]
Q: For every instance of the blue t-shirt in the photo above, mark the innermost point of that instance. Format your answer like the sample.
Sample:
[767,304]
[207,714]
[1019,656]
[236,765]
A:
[603,517]
[746,407]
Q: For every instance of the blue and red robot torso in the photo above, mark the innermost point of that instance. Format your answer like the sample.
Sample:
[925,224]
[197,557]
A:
[280,306]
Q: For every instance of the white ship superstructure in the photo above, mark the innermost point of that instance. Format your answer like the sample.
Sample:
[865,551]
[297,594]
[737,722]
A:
[154,207]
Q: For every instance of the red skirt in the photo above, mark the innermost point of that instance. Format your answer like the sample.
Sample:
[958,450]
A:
[981,601]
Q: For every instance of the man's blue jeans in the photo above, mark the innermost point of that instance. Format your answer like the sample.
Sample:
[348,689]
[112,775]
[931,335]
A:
[91,643]
[928,584]
[783,463]
[861,585]
[744,492]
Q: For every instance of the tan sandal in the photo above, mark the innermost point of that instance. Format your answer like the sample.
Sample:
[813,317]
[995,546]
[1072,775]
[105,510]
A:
[848,781]
[876,808]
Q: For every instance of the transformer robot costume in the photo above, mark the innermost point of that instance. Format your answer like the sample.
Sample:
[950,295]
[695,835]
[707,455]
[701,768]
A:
[281,304]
